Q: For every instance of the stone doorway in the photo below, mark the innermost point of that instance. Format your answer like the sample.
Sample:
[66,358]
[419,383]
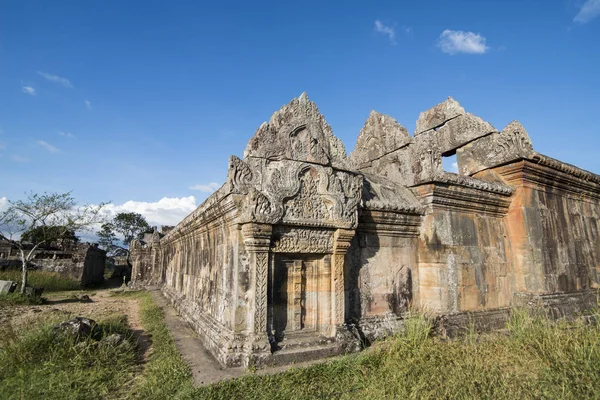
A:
[300,300]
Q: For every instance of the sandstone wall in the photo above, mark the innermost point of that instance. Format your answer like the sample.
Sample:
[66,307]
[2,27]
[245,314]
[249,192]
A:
[554,223]
[464,261]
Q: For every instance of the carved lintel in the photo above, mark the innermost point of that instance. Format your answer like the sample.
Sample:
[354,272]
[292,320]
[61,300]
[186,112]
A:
[302,240]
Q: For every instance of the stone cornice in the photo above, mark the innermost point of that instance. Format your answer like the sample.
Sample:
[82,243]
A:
[464,198]
[212,209]
[566,168]
[545,173]
[468,182]
[389,223]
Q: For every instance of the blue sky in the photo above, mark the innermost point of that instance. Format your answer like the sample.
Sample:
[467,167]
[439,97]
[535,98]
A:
[133,101]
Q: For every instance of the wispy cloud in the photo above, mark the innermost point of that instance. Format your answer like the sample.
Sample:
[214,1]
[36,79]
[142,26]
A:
[19,159]
[47,146]
[454,42]
[386,30]
[66,134]
[55,78]
[211,187]
[589,10]
[88,104]
[28,90]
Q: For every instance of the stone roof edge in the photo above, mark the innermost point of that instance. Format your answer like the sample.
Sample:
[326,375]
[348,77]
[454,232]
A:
[565,167]
[470,182]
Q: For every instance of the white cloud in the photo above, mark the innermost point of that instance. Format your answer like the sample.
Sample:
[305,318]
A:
[28,90]
[454,167]
[55,78]
[454,42]
[3,203]
[589,10]
[66,134]
[211,187]
[47,146]
[19,159]
[88,104]
[166,211]
[386,30]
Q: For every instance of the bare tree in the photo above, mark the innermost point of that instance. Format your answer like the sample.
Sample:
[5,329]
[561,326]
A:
[51,215]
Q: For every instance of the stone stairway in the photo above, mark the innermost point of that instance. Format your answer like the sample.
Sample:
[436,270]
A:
[301,347]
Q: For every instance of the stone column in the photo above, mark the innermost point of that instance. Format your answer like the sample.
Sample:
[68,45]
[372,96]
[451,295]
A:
[325,296]
[257,239]
[341,243]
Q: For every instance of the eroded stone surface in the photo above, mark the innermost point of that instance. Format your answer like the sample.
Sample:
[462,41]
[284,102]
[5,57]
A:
[438,115]
[305,253]
[381,135]
[511,144]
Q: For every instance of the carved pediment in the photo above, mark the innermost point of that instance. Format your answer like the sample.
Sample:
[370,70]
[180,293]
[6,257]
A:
[299,132]
[295,192]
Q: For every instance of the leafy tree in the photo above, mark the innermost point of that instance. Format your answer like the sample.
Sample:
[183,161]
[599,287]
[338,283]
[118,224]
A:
[46,216]
[128,226]
[49,235]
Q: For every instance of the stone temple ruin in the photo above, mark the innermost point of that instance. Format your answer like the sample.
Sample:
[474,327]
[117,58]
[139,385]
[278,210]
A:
[305,251]
[81,262]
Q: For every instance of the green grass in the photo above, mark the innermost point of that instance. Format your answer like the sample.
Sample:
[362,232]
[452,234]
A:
[17,299]
[36,363]
[538,358]
[50,281]
[165,374]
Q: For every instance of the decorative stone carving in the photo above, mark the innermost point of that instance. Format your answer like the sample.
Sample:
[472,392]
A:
[511,144]
[296,192]
[380,135]
[426,159]
[302,240]
[298,131]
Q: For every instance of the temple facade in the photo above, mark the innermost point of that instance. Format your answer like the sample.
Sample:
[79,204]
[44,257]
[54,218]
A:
[306,252]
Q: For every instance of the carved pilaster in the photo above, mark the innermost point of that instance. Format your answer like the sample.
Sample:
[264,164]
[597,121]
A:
[257,238]
[341,243]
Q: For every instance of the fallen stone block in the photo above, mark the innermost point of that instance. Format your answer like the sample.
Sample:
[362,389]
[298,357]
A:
[78,327]
[7,287]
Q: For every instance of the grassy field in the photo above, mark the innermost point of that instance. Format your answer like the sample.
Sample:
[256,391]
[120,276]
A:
[50,281]
[538,359]
[37,363]
[535,358]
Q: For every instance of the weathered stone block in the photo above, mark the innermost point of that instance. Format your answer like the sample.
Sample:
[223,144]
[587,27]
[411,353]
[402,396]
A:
[438,115]
[511,144]
[380,135]
[7,287]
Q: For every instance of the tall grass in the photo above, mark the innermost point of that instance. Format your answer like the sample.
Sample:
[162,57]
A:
[540,358]
[36,363]
[50,281]
[165,373]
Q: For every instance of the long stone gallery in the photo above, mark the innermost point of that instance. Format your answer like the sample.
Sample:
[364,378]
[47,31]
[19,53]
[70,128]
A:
[306,252]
